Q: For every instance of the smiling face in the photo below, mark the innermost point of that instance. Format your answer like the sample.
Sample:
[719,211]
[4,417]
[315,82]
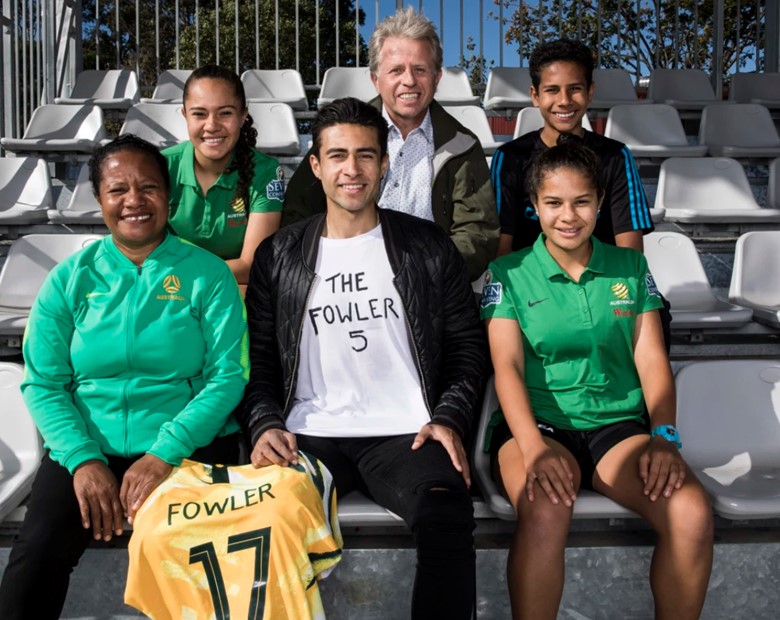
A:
[562,97]
[134,202]
[350,167]
[214,115]
[406,80]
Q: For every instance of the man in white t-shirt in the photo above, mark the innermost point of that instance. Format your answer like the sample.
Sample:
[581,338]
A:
[367,352]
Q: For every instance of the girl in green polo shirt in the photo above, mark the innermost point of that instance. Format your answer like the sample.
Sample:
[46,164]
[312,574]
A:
[578,352]
[226,196]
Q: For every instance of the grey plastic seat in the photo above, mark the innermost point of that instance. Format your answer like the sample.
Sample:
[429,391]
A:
[275,86]
[20,444]
[708,190]
[773,190]
[653,130]
[530,119]
[277,131]
[681,278]
[589,504]
[474,118]
[114,89]
[508,88]
[60,130]
[755,278]
[29,261]
[728,414]
[760,88]
[83,207]
[356,510]
[612,87]
[740,130]
[162,124]
[346,82]
[25,190]
[455,89]
[685,89]
[170,87]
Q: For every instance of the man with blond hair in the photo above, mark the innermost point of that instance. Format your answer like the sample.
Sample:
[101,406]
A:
[438,169]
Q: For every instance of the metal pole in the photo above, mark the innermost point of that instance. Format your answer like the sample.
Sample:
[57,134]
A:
[357,33]
[157,37]
[257,31]
[676,33]
[738,50]
[238,72]
[138,40]
[197,34]
[297,37]
[501,34]
[25,90]
[276,23]
[717,48]
[317,41]
[97,34]
[338,27]
[176,31]
[216,31]
[116,35]
[461,33]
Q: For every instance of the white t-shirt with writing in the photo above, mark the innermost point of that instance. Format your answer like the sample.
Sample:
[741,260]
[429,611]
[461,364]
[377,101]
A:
[357,376]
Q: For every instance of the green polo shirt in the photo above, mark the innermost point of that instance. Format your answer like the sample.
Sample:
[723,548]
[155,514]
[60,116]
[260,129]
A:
[577,336]
[217,221]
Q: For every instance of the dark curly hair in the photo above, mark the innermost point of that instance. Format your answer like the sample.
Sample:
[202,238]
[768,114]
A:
[570,152]
[349,111]
[125,142]
[244,159]
[560,50]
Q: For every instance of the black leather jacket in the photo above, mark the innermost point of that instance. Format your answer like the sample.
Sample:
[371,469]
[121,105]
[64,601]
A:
[447,338]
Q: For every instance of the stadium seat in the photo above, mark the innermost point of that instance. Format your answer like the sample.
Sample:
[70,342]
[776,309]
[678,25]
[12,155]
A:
[760,88]
[473,117]
[25,190]
[508,88]
[589,504]
[277,131]
[708,190]
[356,510]
[161,124]
[685,89]
[60,131]
[115,89]
[29,261]
[728,415]
[653,130]
[20,444]
[613,87]
[170,87]
[83,207]
[755,278]
[275,86]
[530,119]
[455,89]
[681,278]
[773,190]
[740,130]
[346,82]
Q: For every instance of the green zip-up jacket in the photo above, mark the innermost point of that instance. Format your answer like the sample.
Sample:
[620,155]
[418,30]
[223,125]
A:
[125,360]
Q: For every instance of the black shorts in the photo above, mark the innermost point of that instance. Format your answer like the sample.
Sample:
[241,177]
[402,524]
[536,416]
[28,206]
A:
[587,447]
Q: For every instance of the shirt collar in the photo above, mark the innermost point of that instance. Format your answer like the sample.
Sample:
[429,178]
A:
[426,126]
[187,170]
[551,269]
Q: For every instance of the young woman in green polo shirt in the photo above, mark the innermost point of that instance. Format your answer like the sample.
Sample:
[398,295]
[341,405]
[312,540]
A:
[578,351]
[226,196]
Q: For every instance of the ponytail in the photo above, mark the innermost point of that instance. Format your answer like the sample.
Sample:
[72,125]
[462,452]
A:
[244,161]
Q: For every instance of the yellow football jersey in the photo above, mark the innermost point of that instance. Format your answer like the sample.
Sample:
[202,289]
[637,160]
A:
[235,542]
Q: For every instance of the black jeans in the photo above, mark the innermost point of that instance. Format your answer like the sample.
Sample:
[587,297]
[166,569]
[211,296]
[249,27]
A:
[52,539]
[429,494]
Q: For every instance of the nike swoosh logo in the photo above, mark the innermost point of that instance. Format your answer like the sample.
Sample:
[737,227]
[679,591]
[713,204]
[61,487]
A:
[531,304]
[96,293]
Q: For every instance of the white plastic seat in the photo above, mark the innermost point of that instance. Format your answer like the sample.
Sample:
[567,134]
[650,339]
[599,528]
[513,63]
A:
[589,504]
[170,87]
[530,119]
[60,129]
[277,131]
[161,124]
[20,444]
[83,207]
[740,130]
[356,510]
[773,190]
[473,117]
[680,276]
[114,89]
[685,89]
[760,88]
[346,82]
[508,88]
[653,130]
[755,278]
[613,87]
[275,86]
[455,89]
[728,414]
[25,190]
[708,190]
[29,261]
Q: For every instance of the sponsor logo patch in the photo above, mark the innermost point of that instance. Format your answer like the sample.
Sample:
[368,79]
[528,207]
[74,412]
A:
[651,287]
[275,189]
[491,295]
